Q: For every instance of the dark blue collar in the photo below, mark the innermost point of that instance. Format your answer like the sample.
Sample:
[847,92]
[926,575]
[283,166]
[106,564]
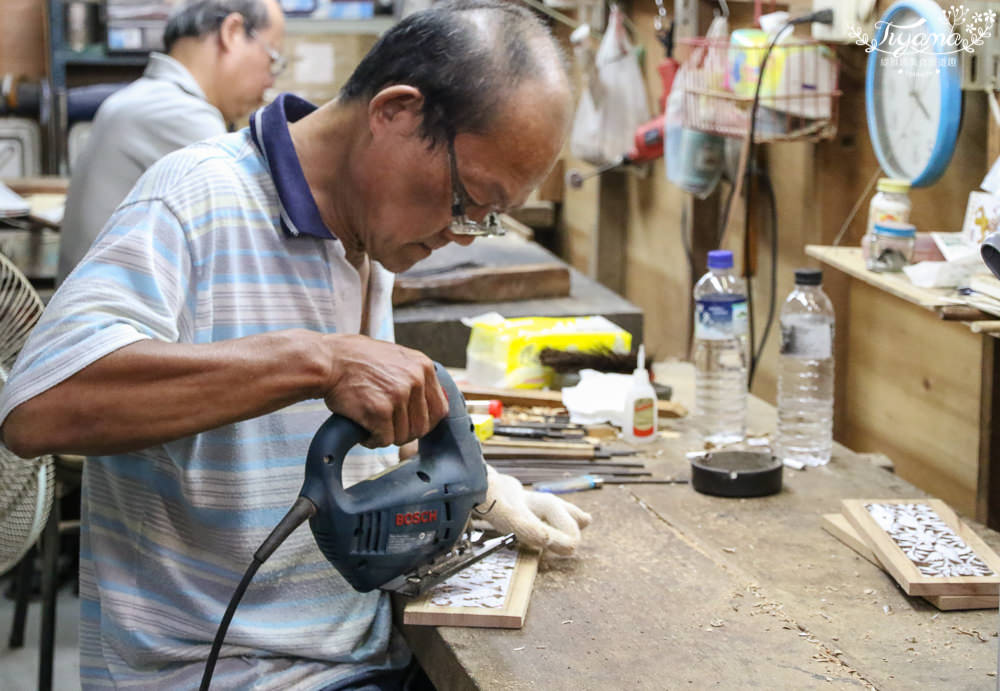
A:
[269,129]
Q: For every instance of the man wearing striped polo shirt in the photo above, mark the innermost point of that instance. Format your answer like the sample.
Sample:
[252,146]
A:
[239,294]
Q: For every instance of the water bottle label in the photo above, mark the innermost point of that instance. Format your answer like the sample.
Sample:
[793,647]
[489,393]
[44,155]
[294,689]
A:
[808,341]
[720,317]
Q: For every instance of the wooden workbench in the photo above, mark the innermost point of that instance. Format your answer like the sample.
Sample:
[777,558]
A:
[921,390]
[672,589]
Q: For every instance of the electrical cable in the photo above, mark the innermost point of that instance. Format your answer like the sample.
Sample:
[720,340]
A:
[687,242]
[692,269]
[824,16]
[220,634]
[857,205]
[301,511]
[773,203]
[748,184]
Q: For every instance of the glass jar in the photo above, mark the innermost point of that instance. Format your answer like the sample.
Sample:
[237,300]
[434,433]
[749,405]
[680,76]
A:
[892,246]
[891,203]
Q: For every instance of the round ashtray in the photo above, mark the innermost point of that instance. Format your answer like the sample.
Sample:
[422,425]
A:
[736,474]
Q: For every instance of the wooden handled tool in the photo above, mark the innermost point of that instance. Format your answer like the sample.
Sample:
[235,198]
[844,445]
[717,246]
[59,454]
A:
[485,284]
[552,399]
[520,449]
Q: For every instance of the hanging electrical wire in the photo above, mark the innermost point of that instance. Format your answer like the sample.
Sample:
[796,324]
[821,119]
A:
[821,16]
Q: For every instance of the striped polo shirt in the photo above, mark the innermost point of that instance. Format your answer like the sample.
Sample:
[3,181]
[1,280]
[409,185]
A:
[205,248]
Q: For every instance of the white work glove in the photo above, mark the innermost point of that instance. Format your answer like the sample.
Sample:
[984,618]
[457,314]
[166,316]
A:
[538,519]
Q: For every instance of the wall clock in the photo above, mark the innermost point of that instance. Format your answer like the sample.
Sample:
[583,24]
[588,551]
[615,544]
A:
[913,92]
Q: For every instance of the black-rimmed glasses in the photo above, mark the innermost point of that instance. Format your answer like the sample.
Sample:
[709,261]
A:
[461,224]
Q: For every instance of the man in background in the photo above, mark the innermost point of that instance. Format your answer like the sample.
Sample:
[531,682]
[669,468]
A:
[219,58]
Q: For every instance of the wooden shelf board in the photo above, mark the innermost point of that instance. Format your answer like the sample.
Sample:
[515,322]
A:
[850,261]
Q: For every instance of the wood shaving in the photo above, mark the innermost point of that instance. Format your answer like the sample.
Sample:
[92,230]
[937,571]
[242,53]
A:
[972,634]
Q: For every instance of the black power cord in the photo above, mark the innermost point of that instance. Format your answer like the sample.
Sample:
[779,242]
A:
[820,17]
[765,180]
[301,511]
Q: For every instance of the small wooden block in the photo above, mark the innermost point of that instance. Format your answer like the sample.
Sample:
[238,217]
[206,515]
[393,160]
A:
[902,568]
[841,528]
[421,612]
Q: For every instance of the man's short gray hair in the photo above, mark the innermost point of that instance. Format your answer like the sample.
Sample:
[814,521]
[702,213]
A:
[196,18]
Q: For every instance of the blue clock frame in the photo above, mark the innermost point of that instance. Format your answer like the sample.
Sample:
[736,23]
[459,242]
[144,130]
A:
[951,94]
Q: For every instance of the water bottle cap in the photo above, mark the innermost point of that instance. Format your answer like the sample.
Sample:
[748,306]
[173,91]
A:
[808,277]
[720,259]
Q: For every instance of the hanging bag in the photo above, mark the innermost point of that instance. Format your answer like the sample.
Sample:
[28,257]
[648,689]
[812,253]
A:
[615,104]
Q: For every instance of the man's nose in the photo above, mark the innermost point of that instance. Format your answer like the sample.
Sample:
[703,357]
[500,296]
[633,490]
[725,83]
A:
[463,240]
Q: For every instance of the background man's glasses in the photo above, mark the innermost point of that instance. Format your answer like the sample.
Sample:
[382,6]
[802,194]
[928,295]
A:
[460,223]
[278,61]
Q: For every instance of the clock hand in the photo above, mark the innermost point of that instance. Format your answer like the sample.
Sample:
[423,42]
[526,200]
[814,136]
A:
[920,104]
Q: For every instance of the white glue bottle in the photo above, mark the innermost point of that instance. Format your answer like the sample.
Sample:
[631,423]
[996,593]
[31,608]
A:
[640,405]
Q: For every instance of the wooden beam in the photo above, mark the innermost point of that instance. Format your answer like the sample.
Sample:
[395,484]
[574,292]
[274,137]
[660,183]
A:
[611,238]
[988,481]
[992,139]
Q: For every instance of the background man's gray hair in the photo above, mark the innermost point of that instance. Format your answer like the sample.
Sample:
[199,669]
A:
[196,18]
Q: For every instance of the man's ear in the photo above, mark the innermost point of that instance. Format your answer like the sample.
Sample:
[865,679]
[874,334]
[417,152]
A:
[230,30]
[396,108]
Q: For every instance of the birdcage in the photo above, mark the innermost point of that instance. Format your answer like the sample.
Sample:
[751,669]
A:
[798,94]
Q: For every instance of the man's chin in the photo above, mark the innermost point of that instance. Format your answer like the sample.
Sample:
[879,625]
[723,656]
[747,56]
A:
[405,258]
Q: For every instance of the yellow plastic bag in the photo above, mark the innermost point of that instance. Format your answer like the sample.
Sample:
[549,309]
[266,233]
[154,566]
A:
[504,352]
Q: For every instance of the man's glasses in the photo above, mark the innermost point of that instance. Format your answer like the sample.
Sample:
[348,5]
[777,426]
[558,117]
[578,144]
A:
[278,61]
[460,223]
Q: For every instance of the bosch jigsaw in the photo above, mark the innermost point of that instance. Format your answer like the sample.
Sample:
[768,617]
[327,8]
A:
[406,528]
[403,530]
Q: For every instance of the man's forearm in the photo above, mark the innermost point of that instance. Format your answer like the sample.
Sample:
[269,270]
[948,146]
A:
[151,392]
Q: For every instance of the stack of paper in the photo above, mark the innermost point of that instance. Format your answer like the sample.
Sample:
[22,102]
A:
[11,203]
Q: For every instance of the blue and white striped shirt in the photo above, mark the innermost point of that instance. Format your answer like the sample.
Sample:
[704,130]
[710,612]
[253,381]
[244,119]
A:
[196,254]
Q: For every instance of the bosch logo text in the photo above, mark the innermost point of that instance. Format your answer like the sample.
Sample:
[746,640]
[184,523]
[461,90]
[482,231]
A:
[416,517]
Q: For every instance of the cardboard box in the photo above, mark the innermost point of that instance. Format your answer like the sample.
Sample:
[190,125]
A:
[982,217]
[320,64]
[22,38]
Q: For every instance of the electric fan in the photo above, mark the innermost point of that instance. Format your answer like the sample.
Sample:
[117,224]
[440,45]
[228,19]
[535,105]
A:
[26,486]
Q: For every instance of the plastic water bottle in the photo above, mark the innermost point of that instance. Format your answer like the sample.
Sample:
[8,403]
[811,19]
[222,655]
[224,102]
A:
[721,355]
[805,379]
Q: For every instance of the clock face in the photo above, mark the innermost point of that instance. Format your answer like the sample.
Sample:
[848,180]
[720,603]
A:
[913,98]
[908,107]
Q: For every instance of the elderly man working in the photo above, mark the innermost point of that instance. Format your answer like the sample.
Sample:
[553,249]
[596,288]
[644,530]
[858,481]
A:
[220,57]
[239,294]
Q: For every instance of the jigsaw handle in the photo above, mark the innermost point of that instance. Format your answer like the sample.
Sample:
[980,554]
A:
[338,435]
[325,461]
